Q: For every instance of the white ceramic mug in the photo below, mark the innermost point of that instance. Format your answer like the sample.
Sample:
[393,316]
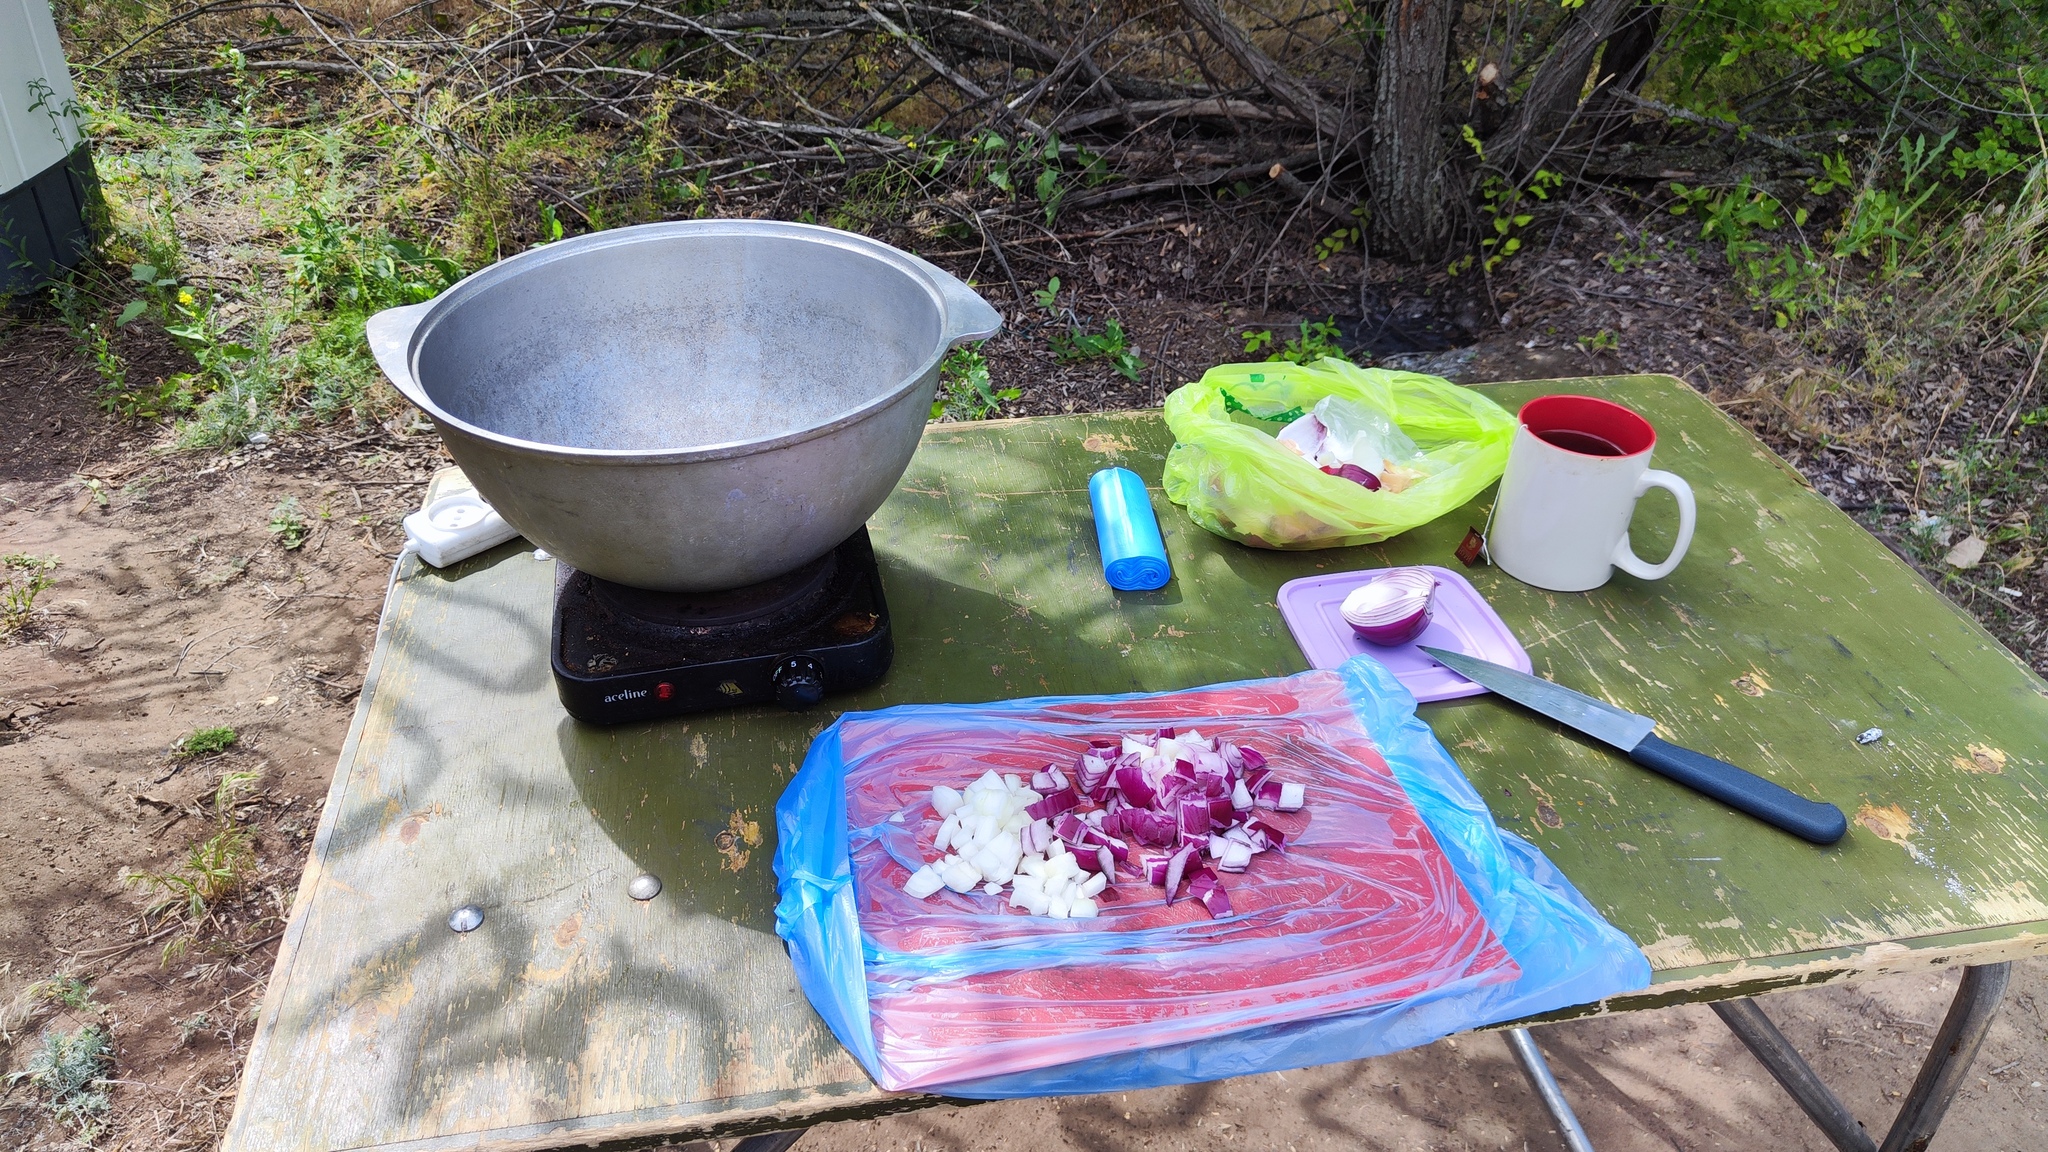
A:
[1574,474]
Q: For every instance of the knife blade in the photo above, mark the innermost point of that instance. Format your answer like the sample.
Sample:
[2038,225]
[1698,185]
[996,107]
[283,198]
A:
[1744,791]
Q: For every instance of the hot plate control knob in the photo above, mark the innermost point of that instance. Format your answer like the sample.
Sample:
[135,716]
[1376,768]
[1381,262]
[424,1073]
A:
[799,683]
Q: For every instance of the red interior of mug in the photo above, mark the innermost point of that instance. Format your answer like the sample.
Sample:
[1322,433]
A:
[1590,415]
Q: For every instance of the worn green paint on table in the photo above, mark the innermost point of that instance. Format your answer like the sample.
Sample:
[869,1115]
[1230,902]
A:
[576,1014]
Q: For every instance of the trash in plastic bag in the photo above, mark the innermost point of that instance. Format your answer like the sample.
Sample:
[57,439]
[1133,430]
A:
[1340,431]
[1270,454]
[1401,914]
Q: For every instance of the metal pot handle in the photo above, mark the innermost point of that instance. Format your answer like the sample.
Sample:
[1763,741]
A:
[968,316]
[390,335]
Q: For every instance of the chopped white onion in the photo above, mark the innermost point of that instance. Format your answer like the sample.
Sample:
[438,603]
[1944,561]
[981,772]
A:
[923,883]
[959,875]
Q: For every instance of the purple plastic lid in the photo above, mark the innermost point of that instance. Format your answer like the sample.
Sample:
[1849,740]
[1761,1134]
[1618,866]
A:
[1461,621]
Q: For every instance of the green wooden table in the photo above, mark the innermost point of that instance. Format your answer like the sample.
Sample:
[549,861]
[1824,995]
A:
[576,1014]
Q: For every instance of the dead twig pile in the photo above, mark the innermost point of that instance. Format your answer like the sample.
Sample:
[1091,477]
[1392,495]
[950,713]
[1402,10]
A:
[980,124]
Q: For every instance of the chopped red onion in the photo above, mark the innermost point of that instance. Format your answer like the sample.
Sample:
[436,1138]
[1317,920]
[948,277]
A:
[1156,829]
[1061,801]
[1177,867]
[1073,830]
[1130,780]
[1264,834]
[1240,797]
[1209,890]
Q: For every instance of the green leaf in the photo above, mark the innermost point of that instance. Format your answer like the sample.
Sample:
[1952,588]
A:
[135,308]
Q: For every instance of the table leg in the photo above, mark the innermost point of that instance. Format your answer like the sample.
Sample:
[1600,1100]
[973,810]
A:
[1533,1066]
[1955,1048]
[1783,1061]
[1941,1074]
[770,1141]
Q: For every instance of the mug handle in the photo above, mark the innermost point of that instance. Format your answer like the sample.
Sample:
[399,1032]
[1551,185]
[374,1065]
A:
[1625,557]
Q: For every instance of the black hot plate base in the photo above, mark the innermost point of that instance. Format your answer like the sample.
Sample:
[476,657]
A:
[622,654]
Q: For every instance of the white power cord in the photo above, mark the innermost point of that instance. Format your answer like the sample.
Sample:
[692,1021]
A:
[391,582]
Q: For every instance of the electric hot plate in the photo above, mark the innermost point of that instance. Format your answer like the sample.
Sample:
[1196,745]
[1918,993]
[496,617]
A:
[622,654]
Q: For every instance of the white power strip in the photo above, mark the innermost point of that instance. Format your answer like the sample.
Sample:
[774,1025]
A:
[456,527]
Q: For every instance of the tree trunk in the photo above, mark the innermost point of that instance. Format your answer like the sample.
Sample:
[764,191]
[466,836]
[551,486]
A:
[1553,95]
[1626,59]
[1624,63]
[1409,221]
[1263,69]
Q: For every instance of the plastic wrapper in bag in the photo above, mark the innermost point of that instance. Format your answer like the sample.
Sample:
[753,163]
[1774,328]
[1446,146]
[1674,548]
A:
[1235,478]
[1399,914]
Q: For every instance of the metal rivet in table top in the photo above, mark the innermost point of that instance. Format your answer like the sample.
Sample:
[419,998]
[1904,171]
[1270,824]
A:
[467,918]
[645,886]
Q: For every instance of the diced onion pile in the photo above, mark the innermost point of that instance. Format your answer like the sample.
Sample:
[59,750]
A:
[1152,804]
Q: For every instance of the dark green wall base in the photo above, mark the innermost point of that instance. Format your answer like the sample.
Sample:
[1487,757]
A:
[46,223]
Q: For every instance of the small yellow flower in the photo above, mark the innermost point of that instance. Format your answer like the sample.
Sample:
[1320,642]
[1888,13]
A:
[185,296]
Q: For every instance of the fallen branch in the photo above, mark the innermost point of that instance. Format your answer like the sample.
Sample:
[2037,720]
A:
[166,75]
[1741,131]
[1212,108]
[1263,69]
[952,76]
[1268,169]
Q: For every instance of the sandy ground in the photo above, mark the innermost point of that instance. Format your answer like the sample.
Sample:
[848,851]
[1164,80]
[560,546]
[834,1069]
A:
[176,607]
[1671,1079]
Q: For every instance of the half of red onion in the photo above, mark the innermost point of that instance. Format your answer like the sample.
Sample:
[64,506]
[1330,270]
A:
[1393,609]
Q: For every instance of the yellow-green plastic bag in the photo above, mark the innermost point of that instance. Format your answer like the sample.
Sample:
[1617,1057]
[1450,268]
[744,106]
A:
[1235,479]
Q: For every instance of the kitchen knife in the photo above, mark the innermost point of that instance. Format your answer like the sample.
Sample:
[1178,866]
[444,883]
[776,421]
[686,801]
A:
[1744,791]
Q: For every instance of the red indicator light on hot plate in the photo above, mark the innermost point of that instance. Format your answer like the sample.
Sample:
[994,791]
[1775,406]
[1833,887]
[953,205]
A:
[664,691]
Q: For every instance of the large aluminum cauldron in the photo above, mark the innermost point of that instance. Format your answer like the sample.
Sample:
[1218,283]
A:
[687,406]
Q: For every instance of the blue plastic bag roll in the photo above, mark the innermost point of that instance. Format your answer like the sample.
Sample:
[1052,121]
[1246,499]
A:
[1133,553]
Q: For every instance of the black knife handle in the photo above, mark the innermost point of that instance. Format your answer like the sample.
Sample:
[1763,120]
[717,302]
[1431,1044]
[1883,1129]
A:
[1743,791]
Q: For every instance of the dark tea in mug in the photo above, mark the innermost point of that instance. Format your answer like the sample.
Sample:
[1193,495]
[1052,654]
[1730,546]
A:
[1584,443]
